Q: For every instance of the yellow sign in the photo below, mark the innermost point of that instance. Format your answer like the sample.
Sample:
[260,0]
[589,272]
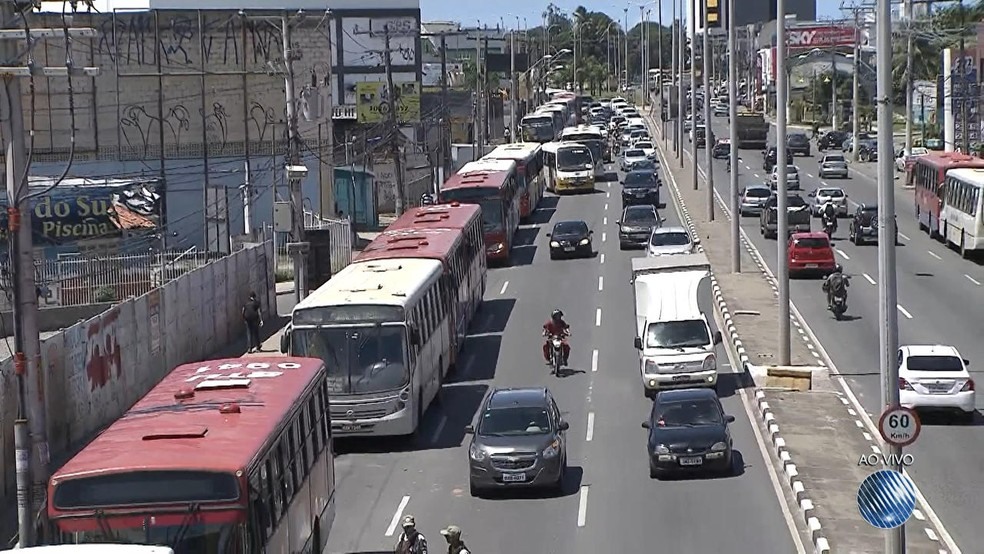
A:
[373,102]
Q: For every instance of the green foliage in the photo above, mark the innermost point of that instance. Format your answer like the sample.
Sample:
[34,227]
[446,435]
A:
[104,294]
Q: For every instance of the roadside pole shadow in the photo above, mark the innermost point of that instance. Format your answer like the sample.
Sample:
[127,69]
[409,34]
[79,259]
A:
[492,317]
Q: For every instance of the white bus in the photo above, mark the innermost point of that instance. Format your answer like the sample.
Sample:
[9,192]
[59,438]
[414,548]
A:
[569,167]
[93,548]
[538,127]
[529,172]
[384,329]
[594,139]
[962,210]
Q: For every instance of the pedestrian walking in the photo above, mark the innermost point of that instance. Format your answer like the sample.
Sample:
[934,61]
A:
[411,541]
[452,533]
[253,317]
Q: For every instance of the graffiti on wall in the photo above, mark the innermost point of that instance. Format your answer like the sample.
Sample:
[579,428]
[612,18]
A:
[103,358]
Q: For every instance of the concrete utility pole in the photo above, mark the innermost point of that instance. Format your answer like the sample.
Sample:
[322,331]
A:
[625,12]
[445,114]
[733,132]
[30,425]
[782,217]
[909,83]
[671,90]
[888,322]
[856,90]
[401,193]
[477,124]
[708,159]
[643,46]
[512,86]
[294,170]
[659,47]
[693,96]
[834,112]
[681,41]
[963,71]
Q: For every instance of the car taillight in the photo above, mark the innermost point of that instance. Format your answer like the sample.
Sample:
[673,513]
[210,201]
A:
[904,385]
[968,386]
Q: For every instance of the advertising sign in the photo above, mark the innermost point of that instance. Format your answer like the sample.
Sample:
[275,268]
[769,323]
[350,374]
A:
[823,36]
[965,92]
[373,102]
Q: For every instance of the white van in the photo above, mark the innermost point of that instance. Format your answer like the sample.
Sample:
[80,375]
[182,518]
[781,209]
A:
[673,336]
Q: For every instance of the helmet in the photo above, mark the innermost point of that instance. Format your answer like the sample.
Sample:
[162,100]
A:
[452,532]
[426,199]
[838,268]
[556,315]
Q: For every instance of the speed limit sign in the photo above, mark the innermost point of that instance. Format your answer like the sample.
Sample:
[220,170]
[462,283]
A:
[899,426]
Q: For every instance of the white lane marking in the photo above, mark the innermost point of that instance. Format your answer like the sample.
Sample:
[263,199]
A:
[604,221]
[838,250]
[594,361]
[931,534]
[608,195]
[602,257]
[747,166]
[869,279]
[582,507]
[598,317]
[396,517]
[439,429]
[810,176]
[601,283]
[609,184]
[606,206]
[504,285]
[903,311]
[903,237]
[604,237]
[756,175]
[934,254]
[972,280]
[590,433]
[918,515]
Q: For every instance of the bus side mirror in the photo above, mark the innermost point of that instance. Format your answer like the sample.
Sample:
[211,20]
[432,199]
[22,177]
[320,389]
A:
[285,341]
[637,343]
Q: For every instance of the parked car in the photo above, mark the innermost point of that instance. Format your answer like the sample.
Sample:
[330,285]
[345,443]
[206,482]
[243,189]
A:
[864,225]
[810,253]
[640,187]
[753,199]
[792,177]
[833,165]
[832,139]
[688,431]
[770,157]
[666,241]
[635,226]
[570,239]
[520,441]
[834,195]
[798,143]
[935,378]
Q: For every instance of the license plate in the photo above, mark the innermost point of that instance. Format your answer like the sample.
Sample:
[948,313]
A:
[568,249]
[939,388]
[351,427]
[691,461]
[513,477]
[681,377]
[812,266]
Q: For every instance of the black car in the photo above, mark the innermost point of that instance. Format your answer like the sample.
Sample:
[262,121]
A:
[864,225]
[832,139]
[570,239]
[798,143]
[640,187]
[721,150]
[688,430]
[635,226]
[770,157]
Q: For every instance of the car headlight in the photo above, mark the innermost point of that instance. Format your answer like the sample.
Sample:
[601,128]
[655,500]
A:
[477,454]
[584,242]
[554,244]
[710,363]
[552,450]
[497,247]
[719,447]
[661,449]
[651,367]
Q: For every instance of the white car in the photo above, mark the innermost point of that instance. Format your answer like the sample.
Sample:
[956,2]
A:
[834,195]
[792,177]
[902,160]
[935,377]
[666,241]
[646,146]
[632,157]
[630,112]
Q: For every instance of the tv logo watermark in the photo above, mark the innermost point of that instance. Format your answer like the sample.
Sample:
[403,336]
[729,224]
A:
[880,460]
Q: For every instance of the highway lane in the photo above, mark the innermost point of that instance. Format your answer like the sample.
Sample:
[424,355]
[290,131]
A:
[937,305]
[609,499]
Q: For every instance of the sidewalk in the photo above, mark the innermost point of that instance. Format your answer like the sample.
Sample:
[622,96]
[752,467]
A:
[816,436]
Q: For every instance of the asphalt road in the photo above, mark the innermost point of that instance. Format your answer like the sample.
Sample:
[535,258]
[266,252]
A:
[609,502]
[939,299]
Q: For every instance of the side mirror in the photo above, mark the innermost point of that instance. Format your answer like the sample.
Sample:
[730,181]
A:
[637,343]
[729,419]
[285,341]
[469,429]
[548,234]
[619,223]
[564,426]
[590,232]
[645,425]
[966,362]
[718,339]
[813,194]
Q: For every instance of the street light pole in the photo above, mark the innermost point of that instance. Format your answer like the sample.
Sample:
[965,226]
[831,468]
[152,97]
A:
[659,47]
[625,68]
[733,131]
[681,41]
[642,54]
[693,94]
[708,160]
[782,218]
[908,77]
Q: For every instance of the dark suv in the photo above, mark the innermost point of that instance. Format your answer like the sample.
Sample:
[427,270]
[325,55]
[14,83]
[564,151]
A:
[520,440]
[640,187]
[635,226]
[832,139]
[770,157]
[798,143]
[864,225]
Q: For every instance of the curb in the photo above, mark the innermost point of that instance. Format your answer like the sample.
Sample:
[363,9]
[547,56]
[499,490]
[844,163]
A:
[807,509]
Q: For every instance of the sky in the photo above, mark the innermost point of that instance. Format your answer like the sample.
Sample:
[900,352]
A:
[470,12]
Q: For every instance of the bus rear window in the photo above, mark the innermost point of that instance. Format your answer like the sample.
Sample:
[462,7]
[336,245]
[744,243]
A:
[145,487]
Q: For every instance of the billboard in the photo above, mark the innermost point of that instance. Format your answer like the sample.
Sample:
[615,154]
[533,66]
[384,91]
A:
[373,102]
[821,36]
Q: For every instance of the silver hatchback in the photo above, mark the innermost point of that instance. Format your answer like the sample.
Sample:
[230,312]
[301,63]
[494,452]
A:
[833,165]
[666,241]
[753,199]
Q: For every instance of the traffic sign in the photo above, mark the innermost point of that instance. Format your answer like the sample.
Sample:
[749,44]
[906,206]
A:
[899,426]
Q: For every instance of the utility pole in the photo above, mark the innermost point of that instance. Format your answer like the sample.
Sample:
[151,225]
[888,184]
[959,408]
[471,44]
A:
[733,132]
[708,160]
[681,110]
[888,322]
[693,97]
[856,90]
[446,125]
[909,83]
[782,217]
[294,170]
[963,71]
[671,90]
[512,85]
[642,55]
[401,193]
[626,68]
[485,96]
[834,112]
[477,124]
[30,425]
[659,47]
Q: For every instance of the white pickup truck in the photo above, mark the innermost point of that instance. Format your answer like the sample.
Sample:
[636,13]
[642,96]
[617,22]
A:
[673,335]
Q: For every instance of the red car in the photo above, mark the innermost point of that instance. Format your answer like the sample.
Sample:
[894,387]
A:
[810,253]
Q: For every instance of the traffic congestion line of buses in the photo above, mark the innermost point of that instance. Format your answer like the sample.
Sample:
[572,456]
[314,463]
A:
[235,455]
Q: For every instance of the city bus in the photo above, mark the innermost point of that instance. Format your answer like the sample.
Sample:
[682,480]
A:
[529,172]
[962,210]
[595,141]
[570,167]
[384,329]
[463,258]
[556,114]
[222,456]
[926,176]
[492,185]
[94,548]
[538,127]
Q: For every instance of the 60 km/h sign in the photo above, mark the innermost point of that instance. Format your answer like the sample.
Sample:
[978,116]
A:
[899,426]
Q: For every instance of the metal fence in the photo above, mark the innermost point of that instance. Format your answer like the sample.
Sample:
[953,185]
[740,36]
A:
[340,231]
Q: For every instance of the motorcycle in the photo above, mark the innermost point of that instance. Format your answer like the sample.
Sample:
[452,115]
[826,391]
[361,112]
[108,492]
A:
[556,354]
[838,305]
[829,226]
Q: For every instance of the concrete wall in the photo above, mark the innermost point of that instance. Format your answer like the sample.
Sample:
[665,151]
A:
[98,368]
[57,318]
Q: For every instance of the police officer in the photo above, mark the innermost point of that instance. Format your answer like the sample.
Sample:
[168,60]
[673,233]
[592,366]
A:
[411,541]
[452,533]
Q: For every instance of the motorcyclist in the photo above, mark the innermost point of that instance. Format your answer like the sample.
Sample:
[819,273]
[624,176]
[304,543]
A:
[411,541]
[452,533]
[427,199]
[556,327]
[836,285]
[828,214]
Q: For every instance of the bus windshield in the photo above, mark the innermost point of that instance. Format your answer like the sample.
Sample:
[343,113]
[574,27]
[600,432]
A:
[594,145]
[360,359]
[491,206]
[576,158]
[194,537]
[538,129]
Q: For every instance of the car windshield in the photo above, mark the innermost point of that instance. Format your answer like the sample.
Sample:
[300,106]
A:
[797,139]
[795,201]
[644,145]
[689,333]
[831,193]
[934,363]
[869,213]
[574,159]
[811,242]
[758,193]
[639,217]
[639,178]
[570,228]
[635,154]
[360,359]
[514,421]
[675,238]
[689,413]
[834,159]
[790,170]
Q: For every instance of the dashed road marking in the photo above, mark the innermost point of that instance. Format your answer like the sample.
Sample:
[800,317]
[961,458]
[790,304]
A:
[606,206]
[594,361]
[504,286]
[903,311]
[396,517]
[604,221]
[598,317]
[604,237]
[602,257]
[918,515]
[868,278]
[582,507]
[601,283]
[931,534]
[608,195]
[842,253]
[590,434]
[934,254]
[972,280]
[903,237]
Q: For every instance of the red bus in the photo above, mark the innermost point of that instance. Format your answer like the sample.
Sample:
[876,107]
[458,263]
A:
[224,456]
[462,254]
[492,185]
[926,175]
[529,173]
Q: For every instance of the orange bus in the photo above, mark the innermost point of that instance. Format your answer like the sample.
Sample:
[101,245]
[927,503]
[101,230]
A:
[491,184]
[926,176]
[224,456]
[529,173]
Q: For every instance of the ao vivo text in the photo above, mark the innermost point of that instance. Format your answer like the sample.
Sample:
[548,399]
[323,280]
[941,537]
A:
[885,460]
